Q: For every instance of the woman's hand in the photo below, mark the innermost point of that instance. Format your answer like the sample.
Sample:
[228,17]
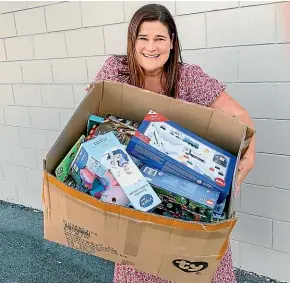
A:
[227,104]
[246,164]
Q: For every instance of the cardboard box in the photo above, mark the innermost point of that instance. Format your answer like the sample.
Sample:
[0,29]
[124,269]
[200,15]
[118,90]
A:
[184,252]
[167,146]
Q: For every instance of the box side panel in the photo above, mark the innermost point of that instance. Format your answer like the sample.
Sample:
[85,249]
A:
[231,207]
[225,131]
[109,234]
[75,127]
[188,269]
[134,103]
[112,99]
[160,241]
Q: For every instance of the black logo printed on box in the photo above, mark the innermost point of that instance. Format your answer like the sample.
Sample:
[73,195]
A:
[190,266]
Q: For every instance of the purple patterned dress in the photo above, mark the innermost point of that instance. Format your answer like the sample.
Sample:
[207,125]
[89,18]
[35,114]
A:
[194,86]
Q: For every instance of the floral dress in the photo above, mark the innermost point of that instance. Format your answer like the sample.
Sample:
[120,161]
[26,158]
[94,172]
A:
[194,86]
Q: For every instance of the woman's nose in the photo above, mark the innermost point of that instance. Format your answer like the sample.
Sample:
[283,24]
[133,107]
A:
[151,46]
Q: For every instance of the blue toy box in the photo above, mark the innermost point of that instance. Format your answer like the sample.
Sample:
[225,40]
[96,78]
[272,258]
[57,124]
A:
[181,187]
[104,153]
[166,146]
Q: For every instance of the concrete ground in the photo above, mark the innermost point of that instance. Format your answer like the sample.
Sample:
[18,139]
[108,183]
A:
[26,257]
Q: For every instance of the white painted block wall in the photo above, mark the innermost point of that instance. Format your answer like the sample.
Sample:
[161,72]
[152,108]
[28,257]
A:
[50,51]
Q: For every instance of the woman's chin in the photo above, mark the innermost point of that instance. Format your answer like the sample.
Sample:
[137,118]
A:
[152,69]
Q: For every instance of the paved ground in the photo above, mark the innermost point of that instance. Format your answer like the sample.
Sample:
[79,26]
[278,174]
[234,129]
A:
[26,258]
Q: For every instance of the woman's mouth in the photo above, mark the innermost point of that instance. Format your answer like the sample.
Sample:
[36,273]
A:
[150,56]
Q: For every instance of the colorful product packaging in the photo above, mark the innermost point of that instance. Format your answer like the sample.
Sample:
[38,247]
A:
[104,153]
[166,146]
[62,170]
[122,128]
[93,121]
[181,198]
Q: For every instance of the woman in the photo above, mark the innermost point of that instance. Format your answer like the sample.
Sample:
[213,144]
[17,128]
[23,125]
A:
[154,63]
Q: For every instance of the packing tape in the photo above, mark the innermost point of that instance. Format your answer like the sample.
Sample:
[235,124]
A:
[133,237]
[126,262]
[135,214]
[226,243]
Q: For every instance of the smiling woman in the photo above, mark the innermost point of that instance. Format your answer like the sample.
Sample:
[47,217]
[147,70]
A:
[153,50]
[153,62]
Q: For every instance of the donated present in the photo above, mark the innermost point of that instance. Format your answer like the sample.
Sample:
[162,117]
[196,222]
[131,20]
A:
[181,199]
[166,146]
[104,152]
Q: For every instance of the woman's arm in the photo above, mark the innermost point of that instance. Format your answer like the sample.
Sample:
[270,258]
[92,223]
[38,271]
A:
[227,104]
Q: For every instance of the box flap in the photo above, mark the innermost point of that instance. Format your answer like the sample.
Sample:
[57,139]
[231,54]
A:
[75,127]
[219,128]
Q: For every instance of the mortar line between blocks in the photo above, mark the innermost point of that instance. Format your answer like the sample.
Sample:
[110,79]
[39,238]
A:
[51,72]
[15,24]
[273,250]
[44,12]
[104,39]
[5,50]
[33,50]
[272,244]
[238,65]
[65,42]
[275,20]
[206,34]
[273,168]
[81,16]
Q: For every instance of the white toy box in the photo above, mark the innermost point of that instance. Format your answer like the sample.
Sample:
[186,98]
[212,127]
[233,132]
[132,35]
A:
[105,152]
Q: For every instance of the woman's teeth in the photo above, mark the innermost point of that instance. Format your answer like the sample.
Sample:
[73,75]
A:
[151,56]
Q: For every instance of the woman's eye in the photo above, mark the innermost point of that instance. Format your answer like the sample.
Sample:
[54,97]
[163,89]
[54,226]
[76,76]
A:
[142,38]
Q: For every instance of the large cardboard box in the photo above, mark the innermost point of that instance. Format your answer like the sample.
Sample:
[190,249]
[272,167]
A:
[172,249]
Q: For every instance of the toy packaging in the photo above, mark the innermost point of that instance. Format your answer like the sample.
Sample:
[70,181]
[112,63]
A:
[220,207]
[62,171]
[93,121]
[122,128]
[166,146]
[181,198]
[101,163]
[93,178]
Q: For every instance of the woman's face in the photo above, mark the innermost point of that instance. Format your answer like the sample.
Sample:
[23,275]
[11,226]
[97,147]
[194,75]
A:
[153,46]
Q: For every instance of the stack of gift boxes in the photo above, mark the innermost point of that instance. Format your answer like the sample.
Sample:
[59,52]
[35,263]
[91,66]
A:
[155,166]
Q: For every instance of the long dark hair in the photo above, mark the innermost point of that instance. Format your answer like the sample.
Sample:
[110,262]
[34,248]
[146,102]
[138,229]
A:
[150,13]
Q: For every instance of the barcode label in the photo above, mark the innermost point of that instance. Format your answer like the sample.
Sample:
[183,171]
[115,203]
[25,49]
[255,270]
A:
[150,171]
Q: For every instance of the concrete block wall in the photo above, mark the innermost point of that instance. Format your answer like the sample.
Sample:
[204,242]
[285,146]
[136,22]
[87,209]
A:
[50,51]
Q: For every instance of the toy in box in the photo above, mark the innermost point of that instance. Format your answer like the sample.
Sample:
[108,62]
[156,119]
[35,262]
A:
[93,178]
[122,128]
[181,198]
[62,171]
[93,121]
[104,155]
[220,207]
[163,144]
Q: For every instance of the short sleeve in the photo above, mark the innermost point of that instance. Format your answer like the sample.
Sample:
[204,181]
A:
[110,71]
[201,88]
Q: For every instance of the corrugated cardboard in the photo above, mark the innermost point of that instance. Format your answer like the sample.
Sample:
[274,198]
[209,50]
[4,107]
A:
[183,252]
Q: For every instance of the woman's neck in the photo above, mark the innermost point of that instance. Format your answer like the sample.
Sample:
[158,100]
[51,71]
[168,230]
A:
[154,83]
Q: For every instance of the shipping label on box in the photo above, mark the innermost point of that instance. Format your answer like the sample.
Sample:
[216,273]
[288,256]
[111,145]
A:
[163,144]
[105,152]
[181,198]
